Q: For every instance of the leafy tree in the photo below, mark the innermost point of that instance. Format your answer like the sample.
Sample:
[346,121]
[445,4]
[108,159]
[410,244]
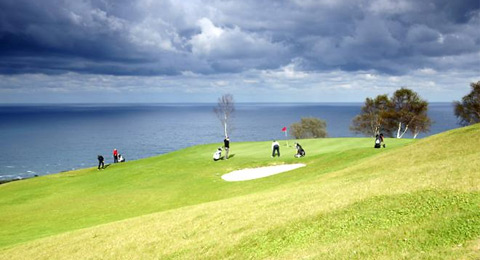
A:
[404,111]
[407,111]
[421,124]
[371,120]
[468,110]
[224,111]
[309,127]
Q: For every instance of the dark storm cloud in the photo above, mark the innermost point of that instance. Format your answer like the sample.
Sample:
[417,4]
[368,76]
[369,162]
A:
[208,37]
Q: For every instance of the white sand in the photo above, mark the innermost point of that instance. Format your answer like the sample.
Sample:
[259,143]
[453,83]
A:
[255,173]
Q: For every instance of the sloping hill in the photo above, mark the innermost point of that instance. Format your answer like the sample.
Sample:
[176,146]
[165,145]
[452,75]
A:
[63,202]
[416,201]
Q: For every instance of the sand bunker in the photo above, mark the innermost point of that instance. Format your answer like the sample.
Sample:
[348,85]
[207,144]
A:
[255,173]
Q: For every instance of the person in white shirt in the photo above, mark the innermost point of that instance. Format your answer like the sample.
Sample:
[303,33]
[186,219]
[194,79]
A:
[218,154]
[275,148]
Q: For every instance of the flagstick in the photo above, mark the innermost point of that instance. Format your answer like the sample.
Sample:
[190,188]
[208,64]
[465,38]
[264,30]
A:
[286,133]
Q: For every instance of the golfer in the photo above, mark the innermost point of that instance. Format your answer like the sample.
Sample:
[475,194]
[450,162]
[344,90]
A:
[275,148]
[101,162]
[226,145]
[115,155]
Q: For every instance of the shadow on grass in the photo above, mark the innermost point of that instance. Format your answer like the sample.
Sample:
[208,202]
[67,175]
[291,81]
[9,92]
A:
[106,165]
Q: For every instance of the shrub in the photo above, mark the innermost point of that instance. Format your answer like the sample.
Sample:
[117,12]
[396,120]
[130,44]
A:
[309,127]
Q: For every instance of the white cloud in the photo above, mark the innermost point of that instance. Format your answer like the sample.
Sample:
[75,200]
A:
[316,3]
[287,72]
[252,85]
[154,33]
[427,71]
[229,44]
[394,79]
[251,81]
[206,41]
[220,83]
[390,6]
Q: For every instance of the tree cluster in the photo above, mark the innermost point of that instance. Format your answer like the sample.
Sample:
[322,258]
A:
[309,127]
[404,112]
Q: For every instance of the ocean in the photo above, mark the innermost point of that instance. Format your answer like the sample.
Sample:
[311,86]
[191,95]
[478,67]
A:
[45,139]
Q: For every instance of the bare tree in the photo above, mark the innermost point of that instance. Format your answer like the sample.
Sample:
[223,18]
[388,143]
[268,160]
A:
[224,111]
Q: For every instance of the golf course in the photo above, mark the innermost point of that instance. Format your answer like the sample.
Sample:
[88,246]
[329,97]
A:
[414,199]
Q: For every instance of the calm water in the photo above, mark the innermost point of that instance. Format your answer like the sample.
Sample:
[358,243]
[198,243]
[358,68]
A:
[38,140]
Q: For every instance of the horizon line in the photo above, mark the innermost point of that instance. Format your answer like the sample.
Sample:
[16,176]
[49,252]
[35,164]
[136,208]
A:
[184,103]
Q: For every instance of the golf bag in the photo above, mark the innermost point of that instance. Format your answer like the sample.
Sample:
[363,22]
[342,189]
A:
[301,152]
[218,154]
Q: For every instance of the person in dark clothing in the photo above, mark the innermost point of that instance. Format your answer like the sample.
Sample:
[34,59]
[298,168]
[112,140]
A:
[382,141]
[115,155]
[226,145]
[300,151]
[101,162]
[275,148]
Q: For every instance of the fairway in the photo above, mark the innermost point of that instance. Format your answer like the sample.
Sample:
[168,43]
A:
[413,199]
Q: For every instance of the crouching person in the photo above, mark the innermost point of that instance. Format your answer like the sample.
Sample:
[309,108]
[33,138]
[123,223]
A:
[218,154]
[300,151]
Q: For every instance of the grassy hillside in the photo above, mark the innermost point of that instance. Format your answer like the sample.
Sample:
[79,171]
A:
[417,200]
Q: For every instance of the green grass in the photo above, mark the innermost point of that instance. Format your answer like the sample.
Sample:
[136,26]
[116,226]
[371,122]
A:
[415,199]
[390,224]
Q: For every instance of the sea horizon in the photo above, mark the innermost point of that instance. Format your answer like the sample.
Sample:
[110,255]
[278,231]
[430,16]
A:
[186,103]
[49,138]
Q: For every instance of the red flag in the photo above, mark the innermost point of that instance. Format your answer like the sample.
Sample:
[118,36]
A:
[284,129]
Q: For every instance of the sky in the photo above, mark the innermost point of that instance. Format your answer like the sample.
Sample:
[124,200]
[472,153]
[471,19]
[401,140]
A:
[147,51]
